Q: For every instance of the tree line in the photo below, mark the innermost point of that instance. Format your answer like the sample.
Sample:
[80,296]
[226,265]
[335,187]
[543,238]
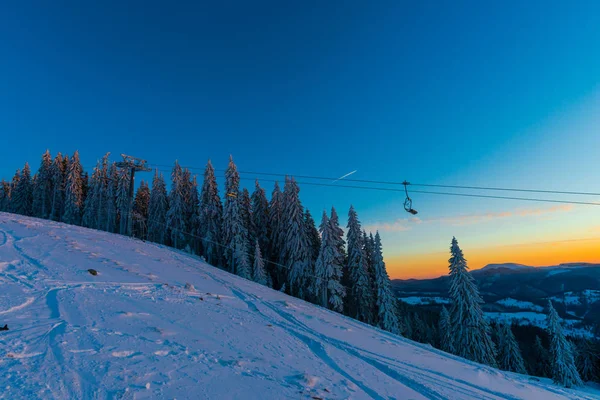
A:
[274,242]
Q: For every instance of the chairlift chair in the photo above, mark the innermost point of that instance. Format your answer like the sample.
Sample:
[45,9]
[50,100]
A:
[408,201]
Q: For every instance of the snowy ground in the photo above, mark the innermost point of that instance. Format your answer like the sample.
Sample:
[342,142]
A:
[134,331]
[522,305]
[424,300]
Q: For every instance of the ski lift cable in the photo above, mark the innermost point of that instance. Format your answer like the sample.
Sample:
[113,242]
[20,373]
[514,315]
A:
[383,189]
[467,187]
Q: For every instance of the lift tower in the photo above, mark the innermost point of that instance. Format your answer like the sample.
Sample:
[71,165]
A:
[133,164]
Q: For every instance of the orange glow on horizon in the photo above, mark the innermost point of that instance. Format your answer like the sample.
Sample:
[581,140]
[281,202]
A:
[433,265]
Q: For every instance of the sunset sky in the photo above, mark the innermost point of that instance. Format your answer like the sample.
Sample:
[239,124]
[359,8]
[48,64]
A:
[503,94]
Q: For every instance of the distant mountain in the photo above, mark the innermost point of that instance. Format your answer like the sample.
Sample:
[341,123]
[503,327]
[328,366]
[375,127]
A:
[518,281]
[522,283]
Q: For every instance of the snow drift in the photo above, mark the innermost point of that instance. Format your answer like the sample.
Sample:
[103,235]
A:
[155,323]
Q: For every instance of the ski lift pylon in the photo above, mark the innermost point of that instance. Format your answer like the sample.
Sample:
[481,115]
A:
[408,201]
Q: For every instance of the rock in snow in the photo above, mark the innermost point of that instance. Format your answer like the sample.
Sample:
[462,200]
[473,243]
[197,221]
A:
[125,332]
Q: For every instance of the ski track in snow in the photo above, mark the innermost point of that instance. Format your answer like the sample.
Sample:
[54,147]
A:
[134,331]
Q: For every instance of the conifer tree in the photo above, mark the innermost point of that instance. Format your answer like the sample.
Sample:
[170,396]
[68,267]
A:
[58,187]
[276,237]
[258,274]
[194,218]
[260,217]
[141,205]
[43,193]
[91,203]
[470,329]
[176,215]
[360,304]
[22,197]
[111,199]
[369,249]
[235,236]
[338,235]
[329,291]
[509,354]
[123,200]
[242,262]
[387,313]
[211,217]
[73,192]
[587,360]
[189,209]
[247,215]
[157,210]
[541,365]
[563,369]
[101,188]
[446,340]
[313,235]
[4,195]
[13,187]
[296,249]
[84,187]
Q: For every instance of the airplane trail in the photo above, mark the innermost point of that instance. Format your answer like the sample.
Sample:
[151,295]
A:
[345,176]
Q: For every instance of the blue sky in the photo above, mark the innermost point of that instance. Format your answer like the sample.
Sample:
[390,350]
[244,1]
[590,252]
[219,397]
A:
[439,92]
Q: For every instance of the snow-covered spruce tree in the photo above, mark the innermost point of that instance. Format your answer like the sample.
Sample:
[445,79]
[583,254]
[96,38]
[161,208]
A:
[360,304]
[194,227]
[110,199]
[509,354]
[13,187]
[177,208]
[338,235]
[73,192]
[101,192]
[275,249]
[541,365]
[91,203]
[314,238]
[84,187]
[22,198]
[387,313]
[58,187]
[123,200]
[141,205]
[328,269]
[369,248]
[4,195]
[235,236]
[242,262]
[42,197]
[157,210]
[296,249]
[563,369]
[470,329]
[259,274]
[446,340]
[260,217]
[247,217]
[586,360]
[189,190]
[211,217]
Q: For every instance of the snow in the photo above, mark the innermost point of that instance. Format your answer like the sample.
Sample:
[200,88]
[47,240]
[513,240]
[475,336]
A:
[538,319]
[424,300]
[523,305]
[574,298]
[134,331]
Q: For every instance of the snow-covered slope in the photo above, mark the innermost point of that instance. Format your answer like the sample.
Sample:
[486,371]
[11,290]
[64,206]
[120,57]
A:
[136,331]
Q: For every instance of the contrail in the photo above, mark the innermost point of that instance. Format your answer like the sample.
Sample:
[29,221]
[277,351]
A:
[345,176]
